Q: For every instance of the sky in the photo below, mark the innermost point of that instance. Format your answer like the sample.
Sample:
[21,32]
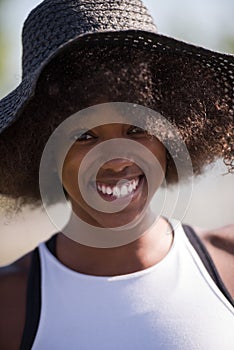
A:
[201,22]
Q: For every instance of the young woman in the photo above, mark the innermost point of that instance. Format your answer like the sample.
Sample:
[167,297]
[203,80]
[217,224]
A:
[117,276]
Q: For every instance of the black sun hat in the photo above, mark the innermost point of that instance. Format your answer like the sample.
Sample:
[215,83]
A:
[57,25]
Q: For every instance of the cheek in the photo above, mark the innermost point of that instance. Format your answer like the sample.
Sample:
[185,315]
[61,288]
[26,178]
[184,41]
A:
[70,170]
[161,155]
[159,151]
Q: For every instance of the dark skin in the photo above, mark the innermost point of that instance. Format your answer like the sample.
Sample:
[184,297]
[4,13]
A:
[150,248]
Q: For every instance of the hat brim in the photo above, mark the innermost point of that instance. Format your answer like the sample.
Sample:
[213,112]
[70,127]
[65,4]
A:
[220,65]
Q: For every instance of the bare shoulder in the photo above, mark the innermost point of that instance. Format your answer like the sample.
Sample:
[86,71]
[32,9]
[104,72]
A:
[13,281]
[220,245]
[220,238]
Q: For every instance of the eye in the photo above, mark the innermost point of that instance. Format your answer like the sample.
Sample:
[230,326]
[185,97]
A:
[136,130]
[85,136]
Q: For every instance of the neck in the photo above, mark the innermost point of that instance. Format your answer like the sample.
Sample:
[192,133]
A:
[147,250]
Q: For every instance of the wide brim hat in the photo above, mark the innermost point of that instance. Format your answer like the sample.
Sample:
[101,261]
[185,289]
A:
[56,25]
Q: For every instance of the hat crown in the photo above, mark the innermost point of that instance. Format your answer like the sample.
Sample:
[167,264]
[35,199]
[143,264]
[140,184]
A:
[54,22]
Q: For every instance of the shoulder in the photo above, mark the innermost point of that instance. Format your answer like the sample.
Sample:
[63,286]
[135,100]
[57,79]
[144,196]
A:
[221,239]
[220,245]
[13,280]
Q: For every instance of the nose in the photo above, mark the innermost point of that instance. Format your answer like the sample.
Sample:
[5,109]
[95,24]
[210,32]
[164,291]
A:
[117,164]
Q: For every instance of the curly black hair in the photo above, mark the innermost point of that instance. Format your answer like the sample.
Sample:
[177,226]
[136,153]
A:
[75,80]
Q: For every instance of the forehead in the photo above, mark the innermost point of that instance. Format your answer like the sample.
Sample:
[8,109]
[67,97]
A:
[105,114]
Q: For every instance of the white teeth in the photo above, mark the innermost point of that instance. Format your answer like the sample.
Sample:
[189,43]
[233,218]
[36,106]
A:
[116,191]
[119,191]
[109,190]
[137,181]
[124,190]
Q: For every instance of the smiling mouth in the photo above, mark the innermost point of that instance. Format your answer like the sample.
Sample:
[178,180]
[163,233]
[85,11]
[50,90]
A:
[128,188]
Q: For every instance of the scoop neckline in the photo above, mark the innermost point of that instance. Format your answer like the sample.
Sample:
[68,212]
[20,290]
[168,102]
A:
[58,264]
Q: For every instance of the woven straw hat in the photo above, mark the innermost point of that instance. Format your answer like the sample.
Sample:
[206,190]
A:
[56,25]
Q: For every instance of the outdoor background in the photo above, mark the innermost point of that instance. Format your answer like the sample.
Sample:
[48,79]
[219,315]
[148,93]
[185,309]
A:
[207,23]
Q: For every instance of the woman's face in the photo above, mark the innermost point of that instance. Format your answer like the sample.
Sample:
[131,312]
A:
[108,180]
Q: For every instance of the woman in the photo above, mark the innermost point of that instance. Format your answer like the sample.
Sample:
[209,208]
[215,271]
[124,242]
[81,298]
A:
[90,67]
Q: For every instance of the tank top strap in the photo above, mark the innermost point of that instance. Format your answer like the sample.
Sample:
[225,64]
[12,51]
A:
[33,302]
[206,260]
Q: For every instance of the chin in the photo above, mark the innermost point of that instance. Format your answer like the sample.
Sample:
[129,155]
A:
[115,220]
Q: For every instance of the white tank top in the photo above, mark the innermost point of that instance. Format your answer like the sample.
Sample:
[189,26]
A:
[173,305]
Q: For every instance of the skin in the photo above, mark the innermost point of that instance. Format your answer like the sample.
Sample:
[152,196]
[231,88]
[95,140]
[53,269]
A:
[151,247]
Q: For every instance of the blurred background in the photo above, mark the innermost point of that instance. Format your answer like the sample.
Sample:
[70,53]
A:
[208,23]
